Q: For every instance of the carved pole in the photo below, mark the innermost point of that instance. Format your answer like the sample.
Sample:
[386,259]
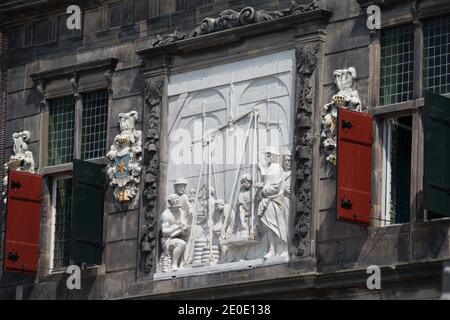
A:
[307,56]
[154,90]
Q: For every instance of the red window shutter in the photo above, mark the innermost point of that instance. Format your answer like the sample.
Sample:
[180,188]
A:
[23,222]
[354,161]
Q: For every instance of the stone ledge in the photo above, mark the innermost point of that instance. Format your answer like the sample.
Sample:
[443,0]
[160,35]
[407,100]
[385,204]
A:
[108,63]
[222,38]
[308,284]
[233,266]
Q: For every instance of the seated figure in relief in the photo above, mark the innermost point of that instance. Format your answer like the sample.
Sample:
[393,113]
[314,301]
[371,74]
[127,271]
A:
[174,231]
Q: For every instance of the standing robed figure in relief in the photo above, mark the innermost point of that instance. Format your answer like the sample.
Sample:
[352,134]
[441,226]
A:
[271,208]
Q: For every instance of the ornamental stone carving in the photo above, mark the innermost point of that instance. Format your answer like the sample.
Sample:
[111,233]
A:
[347,97]
[22,159]
[153,98]
[307,56]
[125,156]
[229,19]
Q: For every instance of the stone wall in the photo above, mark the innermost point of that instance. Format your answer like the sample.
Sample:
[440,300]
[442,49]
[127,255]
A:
[335,246]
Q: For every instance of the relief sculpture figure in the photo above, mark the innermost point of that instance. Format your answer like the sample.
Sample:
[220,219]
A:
[271,204]
[174,232]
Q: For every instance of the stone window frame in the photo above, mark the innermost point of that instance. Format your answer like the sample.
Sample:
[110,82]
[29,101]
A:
[405,14]
[56,83]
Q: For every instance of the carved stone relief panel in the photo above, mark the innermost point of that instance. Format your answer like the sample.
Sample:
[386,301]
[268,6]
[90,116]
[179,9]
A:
[229,170]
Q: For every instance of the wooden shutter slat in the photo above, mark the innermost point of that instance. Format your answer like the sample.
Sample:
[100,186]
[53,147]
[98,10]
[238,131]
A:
[87,213]
[437,154]
[23,222]
[354,160]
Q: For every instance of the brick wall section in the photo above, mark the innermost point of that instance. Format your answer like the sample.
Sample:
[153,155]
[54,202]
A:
[3,85]
[3,95]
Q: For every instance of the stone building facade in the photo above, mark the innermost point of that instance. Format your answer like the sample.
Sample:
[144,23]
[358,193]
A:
[114,93]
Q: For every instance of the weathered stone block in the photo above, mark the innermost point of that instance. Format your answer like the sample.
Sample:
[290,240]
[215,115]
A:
[113,286]
[333,62]
[380,250]
[359,58]
[132,224]
[354,31]
[327,194]
[16,78]
[121,255]
[431,243]
[12,126]
[332,229]
[33,124]
[128,81]
[22,104]
[115,227]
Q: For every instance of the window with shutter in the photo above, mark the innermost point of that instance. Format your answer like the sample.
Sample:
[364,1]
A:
[87,213]
[78,216]
[437,155]
[23,222]
[354,166]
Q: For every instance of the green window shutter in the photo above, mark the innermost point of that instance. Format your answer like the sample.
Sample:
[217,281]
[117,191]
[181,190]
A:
[86,243]
[437,154]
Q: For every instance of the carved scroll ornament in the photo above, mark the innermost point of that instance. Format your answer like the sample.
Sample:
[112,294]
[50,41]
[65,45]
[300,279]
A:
[229,19]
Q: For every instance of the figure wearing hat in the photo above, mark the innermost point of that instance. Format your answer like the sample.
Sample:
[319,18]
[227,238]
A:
[180,189]
[174,232]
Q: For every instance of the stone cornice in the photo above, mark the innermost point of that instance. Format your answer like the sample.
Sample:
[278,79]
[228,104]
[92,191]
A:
[108,63]
[308,284]
[366,3]
[319,17]
[13,6]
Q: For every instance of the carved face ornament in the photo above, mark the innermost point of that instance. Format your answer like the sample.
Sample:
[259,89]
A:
[344,78]
[127,121]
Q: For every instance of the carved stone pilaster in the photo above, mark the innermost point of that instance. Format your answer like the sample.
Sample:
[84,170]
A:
[306,57]
[153,98]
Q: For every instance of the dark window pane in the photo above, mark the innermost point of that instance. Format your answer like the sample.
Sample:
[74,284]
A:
[397,63]
[436,54]
[63,209]
[61,130]
[95,111]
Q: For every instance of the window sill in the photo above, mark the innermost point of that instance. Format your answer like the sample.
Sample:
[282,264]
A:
[98,269]
[68,167]
[401,107]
